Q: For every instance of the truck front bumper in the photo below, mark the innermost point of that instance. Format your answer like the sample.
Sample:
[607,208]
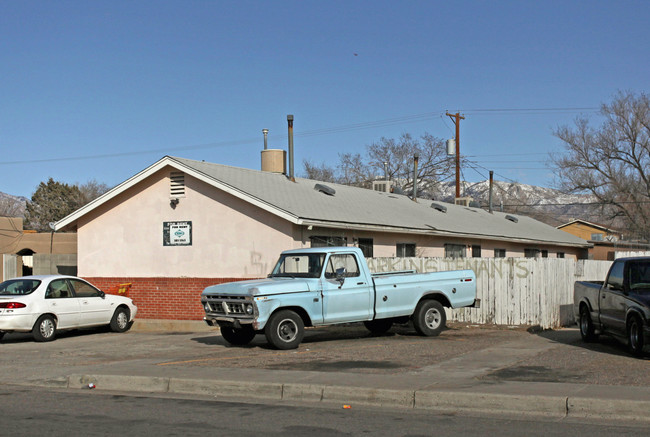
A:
[229,321]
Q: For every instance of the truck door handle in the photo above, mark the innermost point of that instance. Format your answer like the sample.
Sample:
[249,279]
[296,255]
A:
[361,283]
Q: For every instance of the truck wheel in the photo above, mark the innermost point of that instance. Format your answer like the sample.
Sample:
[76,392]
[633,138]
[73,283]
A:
[284,330]
[635,336]
[429,318]
[378,327]
[237,336]
[587,331]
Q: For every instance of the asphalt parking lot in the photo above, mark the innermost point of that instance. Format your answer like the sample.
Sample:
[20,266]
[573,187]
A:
[496,354]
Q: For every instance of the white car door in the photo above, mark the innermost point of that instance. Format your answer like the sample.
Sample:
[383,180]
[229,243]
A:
[94,308]
[60,300]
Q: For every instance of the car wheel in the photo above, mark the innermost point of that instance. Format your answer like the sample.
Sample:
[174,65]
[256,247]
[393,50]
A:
[120,320]
[378,327]
[284,330]
[237,336]
[2,334]
[429,318]
[44,329]
[587,331]
[635,336]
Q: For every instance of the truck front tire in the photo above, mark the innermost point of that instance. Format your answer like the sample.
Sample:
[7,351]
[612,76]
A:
[237,336]
[284,330]
[379,326]
[429,318]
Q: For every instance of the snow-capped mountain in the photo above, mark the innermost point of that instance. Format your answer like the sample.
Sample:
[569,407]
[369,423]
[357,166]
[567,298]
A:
[12,206]
[546,204]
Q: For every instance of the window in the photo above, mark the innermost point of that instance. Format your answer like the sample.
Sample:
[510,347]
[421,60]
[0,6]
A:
[499,253]
[476,251]
[405,250]
[346,261]
[560,254]
[531,253]
[597,237]
[365,244]
[83,289]
[300,265]
[58,289]
[615,278]
[544,253]
[328,241]
[454,251]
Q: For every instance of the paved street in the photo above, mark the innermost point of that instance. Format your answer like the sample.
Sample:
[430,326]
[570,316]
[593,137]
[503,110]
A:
[52,412]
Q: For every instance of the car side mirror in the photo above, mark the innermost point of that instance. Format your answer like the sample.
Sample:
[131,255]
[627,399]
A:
[340,275]
[102,294]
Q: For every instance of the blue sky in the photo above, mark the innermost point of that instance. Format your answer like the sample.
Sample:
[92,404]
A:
[102,89]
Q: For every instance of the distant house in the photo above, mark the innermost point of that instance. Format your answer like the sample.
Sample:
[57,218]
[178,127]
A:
[180,225]
[605,241]
[27,252]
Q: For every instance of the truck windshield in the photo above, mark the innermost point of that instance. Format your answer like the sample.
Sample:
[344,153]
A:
[639,275]
[299,266]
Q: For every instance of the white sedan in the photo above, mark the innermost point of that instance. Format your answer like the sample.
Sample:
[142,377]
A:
[44,304]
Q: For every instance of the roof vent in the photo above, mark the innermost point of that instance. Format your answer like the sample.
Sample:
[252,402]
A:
[512,218]
[177,184]
[325,189]
[439,207]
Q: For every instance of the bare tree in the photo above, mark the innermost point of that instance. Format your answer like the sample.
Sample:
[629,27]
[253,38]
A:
[92,190]
[612,162]
[355,169]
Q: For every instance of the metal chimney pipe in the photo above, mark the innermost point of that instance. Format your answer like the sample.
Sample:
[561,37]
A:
[415,178]
[491,185]
[266,138]
[290,123]
[386,170]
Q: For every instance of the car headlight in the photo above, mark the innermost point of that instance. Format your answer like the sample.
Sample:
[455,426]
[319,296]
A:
[249,309]
[206,307]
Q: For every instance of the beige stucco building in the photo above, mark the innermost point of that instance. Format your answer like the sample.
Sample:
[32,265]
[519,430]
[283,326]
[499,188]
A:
[181,225]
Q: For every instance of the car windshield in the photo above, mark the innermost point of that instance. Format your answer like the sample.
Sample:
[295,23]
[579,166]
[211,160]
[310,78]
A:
[18,287]
[299,266]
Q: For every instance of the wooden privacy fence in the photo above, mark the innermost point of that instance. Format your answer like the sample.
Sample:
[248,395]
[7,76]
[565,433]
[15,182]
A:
[513,291]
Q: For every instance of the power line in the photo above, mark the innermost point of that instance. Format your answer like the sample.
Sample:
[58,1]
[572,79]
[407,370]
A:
[308,133]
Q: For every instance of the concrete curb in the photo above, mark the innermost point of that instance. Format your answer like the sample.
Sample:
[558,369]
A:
[558,406]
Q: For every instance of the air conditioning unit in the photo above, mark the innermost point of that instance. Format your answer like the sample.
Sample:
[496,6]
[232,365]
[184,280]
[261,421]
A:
[463,201]
[383,186]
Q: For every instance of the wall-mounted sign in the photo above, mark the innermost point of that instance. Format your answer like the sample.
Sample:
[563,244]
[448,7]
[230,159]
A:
[177,233]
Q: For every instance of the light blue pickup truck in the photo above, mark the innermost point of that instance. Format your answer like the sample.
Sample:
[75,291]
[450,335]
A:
[329,285]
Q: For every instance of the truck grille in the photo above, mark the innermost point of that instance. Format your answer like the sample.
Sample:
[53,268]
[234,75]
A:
[227,305]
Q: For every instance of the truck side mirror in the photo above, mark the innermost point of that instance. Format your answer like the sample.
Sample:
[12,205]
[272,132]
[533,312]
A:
[340,275]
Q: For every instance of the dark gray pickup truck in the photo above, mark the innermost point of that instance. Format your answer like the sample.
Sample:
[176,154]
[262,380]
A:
[619,307]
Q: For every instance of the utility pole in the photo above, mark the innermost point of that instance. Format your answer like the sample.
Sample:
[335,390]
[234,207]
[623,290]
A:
[456,118]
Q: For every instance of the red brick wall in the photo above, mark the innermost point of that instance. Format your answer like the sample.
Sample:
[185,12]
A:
[162,298]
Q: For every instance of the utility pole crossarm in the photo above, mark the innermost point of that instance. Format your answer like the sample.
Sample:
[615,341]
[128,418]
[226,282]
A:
[456,118]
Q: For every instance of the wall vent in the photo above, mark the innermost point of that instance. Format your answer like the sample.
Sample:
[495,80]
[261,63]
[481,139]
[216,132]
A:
[176,184]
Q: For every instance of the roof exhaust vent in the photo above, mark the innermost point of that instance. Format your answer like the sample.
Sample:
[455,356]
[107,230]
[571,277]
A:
[439,207]
[512,218]
[325,189]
